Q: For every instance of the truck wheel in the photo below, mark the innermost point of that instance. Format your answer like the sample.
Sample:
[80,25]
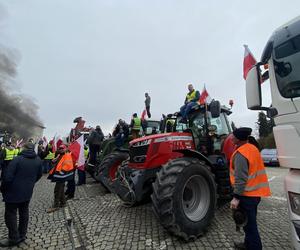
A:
[184,197]
[106,172]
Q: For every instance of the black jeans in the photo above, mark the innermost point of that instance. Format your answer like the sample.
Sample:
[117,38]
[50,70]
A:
[94,149]
[71,187]
[81,177]
[148,111]
[59,194]
[16,232]
[252,238]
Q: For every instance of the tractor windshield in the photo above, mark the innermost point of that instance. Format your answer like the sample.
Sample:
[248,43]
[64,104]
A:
[221,124]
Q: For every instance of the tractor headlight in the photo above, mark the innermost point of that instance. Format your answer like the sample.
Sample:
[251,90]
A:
[295,202]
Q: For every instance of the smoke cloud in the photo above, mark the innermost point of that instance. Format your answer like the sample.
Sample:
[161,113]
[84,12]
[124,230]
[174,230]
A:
[18,113]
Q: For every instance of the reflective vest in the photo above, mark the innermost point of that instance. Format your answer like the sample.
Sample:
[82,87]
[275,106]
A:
[64,168]
[191,96]
[10,154]
[257,183]
[137,123]
[50,156]
[17,151]
[86,153]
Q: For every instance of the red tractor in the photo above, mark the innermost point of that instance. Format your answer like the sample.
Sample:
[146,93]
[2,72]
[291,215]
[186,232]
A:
[185,172]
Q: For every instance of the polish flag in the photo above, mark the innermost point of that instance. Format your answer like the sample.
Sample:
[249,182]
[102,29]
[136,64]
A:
[143,115]
[204,97]
[56,142]
[249,61]
[77,150]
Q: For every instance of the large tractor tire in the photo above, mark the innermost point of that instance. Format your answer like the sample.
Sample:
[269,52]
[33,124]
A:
[184,197]
[106,172]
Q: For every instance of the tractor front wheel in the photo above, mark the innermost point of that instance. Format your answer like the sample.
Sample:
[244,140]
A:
[184,197]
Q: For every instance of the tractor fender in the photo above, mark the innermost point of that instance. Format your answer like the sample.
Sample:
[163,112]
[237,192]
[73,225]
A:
[195,154]
[124,150]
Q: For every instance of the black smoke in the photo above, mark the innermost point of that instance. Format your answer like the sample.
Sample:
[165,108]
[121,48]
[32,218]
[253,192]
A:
[18,113]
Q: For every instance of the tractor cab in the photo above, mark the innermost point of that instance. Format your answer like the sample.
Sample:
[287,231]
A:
[209,126]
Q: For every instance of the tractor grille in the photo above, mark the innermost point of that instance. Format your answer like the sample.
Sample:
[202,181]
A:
[138,154]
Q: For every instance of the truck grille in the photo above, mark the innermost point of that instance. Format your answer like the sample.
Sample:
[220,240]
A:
[138,154]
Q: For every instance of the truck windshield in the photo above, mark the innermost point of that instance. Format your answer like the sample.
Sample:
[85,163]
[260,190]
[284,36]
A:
[286,64]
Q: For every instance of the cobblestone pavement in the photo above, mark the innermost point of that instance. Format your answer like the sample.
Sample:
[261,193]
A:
[97,220]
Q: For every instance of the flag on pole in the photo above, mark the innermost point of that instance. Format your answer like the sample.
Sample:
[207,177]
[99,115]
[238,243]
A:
[77,150]
[249,61]
[204,97]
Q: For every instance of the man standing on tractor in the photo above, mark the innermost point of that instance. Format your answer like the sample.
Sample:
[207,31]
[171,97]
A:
[192,98]
[250,182]
[147,104]
[135,125]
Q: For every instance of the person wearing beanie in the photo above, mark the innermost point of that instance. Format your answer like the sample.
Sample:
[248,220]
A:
[250,182]
[17,187]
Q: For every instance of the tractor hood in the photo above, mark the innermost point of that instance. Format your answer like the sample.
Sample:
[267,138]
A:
[174,136]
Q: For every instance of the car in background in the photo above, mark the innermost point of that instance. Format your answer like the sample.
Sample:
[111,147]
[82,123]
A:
[270,157]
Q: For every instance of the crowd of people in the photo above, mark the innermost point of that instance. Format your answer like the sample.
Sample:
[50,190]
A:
[22,167]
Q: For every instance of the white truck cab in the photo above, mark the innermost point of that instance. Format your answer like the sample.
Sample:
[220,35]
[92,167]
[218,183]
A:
[282,55]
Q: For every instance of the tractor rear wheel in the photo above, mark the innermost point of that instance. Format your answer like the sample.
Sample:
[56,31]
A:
[184,197]
[107,170]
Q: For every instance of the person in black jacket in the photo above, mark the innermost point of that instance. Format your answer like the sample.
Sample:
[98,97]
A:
[17,187]
[94,141]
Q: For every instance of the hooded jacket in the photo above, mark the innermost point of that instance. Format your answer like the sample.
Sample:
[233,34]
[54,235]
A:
[20,177]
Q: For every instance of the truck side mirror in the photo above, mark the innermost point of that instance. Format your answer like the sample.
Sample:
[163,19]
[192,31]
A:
[253,90]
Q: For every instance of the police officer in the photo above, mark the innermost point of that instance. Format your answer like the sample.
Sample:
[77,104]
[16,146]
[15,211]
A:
[250,182]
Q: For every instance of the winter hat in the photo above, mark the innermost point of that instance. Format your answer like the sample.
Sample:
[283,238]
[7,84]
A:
[29,146]
[242,133]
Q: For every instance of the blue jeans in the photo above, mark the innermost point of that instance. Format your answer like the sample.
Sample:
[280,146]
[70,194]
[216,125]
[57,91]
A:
[46,166]
[252,238]
[185,109]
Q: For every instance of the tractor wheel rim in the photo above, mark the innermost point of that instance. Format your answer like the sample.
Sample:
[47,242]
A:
[196,198]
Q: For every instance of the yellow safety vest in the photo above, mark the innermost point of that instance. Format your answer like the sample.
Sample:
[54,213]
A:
[137,123]
[17,151]
[50,156]
[10,154]
[191,96]
[86,153]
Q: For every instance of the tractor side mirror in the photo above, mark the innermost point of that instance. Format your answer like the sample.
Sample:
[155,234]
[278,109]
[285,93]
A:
[215,108]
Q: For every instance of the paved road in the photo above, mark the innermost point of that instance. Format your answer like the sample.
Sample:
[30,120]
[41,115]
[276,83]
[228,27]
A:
[97,220]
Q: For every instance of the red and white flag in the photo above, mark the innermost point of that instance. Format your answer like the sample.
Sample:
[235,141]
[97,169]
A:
[77,150]
[204,97]
[249,61]
[56,142]
[143,115]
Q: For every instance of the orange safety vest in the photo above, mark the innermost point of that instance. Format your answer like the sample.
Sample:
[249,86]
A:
[64,167]
[257,183]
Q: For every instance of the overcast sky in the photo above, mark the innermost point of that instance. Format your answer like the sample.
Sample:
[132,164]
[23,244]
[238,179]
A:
[96,59]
